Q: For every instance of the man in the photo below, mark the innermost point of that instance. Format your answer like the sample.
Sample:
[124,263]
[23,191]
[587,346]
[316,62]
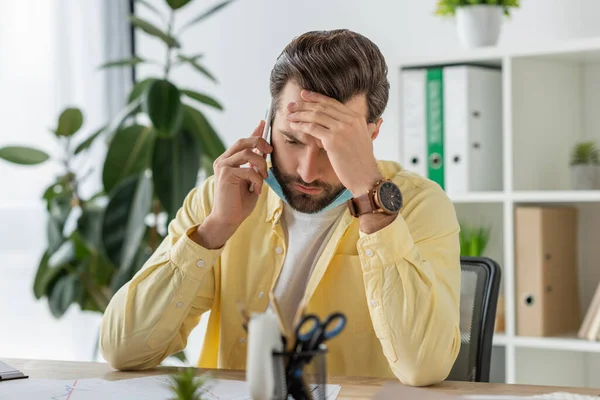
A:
[388,258]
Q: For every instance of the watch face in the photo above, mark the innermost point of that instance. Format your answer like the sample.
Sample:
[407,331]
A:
[390,197]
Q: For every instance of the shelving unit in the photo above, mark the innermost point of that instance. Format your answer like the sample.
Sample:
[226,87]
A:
[551,100]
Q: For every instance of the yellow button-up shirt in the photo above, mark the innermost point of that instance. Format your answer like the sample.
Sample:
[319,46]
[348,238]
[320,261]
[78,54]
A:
[398,287]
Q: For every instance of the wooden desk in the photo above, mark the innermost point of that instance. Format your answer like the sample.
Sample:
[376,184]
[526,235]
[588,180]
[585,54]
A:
[352,388]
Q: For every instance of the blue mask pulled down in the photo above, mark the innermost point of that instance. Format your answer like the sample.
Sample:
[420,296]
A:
[339,200]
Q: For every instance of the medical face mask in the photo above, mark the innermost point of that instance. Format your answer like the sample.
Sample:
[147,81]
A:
[339,200]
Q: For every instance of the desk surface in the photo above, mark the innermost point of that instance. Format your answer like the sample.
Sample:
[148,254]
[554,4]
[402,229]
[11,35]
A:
[352,388]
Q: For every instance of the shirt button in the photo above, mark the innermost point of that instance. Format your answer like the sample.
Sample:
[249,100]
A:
[243,340]
[179,305]
[200,263]
[261,295]
[278,250]
[373,302]
[369,252]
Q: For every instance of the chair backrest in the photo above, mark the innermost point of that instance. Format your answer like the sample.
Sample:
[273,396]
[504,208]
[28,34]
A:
[480,283]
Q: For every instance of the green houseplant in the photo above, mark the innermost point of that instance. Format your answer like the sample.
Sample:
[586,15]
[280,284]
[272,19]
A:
[585,158]
[96,244]
[185,385]
[473,239]
[478,22]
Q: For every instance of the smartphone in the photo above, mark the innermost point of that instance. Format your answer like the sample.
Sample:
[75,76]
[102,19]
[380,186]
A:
[266,135]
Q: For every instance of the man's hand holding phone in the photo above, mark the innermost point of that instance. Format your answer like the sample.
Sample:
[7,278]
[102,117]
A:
[233,200]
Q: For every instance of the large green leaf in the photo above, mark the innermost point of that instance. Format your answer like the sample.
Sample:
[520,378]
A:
[127,62]
[139,89]
[196,122]
[23,155]
[128,154]
[89,226]
[197,66]
[123,226]
[177,4]
[205,15]
[101,269]
[88,142]
[38,284]
[124,275]
[64,255]
[59,208]
[65,292]
[163,106]
[154,31]
[202,98]
[69,122]
[175,165]
[131,108]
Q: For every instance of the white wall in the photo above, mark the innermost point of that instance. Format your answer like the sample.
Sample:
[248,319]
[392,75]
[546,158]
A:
[242,41]
[50,51]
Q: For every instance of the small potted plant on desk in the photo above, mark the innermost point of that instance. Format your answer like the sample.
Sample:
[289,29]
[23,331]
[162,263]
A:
[478,21]
[185,385]
[585,159]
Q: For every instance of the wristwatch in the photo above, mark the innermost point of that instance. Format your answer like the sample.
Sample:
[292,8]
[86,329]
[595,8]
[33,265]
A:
[385,197]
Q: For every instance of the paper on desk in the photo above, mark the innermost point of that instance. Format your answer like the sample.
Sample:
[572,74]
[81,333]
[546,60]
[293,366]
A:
[147,388]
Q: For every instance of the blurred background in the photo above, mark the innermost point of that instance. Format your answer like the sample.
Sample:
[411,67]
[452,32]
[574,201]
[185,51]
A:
[69,230]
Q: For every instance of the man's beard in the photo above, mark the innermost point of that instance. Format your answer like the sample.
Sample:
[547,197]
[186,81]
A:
[303,202]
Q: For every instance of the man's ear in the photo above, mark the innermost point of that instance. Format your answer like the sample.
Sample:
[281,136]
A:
[374,128]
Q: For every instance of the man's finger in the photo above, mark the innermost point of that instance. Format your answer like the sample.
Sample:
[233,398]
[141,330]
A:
[251,176]
[248,143]
[310,128]
[314,97]
[317,117]
[322,108]
[245,157]
[259,129]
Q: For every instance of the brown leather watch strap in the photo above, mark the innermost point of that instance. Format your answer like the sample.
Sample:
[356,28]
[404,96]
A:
[361,205]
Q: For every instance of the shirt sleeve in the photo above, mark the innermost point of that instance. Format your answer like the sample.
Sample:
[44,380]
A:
[151,316]
[411,271]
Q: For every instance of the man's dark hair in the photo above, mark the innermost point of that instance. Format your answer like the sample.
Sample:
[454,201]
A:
[337,63]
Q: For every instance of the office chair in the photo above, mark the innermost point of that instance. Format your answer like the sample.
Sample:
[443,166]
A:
[480,283]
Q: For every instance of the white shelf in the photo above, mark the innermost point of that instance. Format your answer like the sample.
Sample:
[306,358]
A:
[551,343]
[541,196]
[479,197]
[499,339]
[556,196]
[586,49]
[551,94]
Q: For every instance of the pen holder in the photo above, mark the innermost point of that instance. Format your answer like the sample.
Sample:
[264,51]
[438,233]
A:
[301,375]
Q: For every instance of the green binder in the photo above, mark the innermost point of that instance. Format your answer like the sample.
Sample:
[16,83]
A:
[435,125]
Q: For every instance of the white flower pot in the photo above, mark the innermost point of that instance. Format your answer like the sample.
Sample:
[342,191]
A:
[478,25]
[584,177]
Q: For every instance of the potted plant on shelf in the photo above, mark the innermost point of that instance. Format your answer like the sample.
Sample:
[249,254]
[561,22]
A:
[157,146]
[478,21]
[473,240]
[585,158]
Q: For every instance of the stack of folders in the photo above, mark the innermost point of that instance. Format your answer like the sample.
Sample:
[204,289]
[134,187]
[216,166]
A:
[452,126]
[590,328]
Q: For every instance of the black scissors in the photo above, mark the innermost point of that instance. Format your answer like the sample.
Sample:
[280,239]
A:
[311,332]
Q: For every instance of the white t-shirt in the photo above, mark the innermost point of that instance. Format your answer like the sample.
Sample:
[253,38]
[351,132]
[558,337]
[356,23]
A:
[306,235]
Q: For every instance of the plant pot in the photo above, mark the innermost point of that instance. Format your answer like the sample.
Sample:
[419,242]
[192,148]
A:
[478,25]
[584,177]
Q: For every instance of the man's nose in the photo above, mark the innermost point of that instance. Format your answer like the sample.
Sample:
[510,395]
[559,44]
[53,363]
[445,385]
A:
[308,167]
